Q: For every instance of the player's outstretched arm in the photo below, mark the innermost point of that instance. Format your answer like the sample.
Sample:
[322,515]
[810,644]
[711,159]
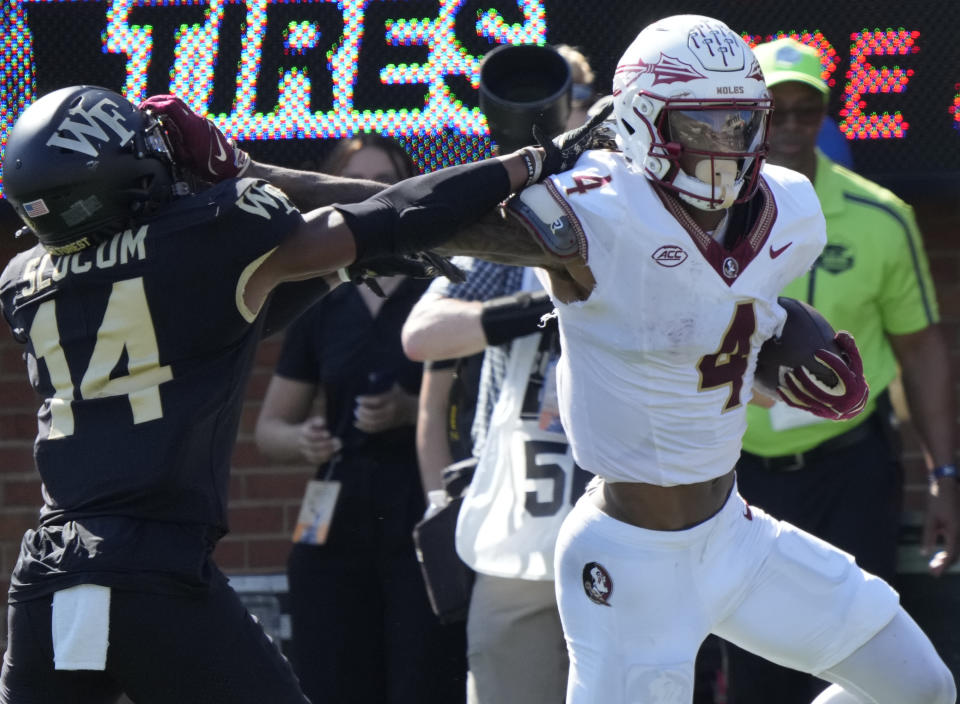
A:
[498,237]
[200,147]
[416,215]
[412,216]
[311,190]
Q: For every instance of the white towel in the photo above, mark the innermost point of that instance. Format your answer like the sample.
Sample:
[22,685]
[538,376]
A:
[80,627]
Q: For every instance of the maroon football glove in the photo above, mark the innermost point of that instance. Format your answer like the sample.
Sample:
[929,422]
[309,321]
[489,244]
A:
[801,389]
[197,143]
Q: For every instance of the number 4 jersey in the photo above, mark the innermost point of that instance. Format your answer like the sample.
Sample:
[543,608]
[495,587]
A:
[658,362]
[140,349]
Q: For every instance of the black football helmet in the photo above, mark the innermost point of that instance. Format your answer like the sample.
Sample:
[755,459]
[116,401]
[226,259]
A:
[81,163]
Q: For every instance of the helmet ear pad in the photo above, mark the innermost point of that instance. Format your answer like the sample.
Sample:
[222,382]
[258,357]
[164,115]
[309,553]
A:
[82,163]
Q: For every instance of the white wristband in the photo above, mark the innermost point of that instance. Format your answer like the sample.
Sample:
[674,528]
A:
[534,164]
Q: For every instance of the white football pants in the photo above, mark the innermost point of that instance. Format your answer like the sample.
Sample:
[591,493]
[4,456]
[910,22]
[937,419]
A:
[636,604]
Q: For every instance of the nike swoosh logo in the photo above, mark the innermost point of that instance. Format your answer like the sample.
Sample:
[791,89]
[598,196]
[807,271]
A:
[774,253]
[222,156]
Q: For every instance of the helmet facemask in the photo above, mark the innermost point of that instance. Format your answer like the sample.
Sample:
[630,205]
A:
[158,186]
[715,151]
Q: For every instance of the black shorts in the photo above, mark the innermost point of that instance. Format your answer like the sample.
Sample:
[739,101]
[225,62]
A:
[163,649]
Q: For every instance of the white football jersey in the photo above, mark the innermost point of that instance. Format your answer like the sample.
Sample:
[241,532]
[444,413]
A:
[658,362]
[526,481]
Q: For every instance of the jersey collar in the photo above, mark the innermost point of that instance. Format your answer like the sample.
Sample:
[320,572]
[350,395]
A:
[729,264]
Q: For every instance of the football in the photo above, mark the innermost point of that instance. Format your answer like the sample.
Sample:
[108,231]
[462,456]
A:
[804,332]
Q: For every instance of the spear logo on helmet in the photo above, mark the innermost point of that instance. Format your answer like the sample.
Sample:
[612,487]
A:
[666,70]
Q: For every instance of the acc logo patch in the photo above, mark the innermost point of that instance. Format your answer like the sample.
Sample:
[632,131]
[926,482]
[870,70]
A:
[597,583]
[669,255]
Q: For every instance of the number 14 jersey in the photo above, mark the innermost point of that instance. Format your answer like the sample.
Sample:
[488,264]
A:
[140,350]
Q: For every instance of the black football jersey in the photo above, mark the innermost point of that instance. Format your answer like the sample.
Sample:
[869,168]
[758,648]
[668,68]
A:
[140,349]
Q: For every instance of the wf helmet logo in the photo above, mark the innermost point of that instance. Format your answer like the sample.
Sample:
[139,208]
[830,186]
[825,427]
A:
[72,133]
[669,255]
[717,48]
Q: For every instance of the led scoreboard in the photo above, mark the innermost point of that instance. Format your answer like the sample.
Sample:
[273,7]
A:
[287,77]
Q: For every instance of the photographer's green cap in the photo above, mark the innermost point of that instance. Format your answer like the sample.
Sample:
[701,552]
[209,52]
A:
[789,60]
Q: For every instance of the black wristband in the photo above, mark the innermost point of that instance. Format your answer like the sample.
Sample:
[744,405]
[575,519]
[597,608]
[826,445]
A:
[425,211]
[508,317]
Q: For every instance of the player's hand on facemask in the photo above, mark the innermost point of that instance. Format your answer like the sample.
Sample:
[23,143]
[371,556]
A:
[394,408]
[197,143]
[842,401]
[562,152]
[315,442]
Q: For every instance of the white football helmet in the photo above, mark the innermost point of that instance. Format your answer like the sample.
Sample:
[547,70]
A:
[692,110]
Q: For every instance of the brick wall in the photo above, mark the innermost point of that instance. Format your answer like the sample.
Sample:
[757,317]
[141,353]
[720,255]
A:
[265,497]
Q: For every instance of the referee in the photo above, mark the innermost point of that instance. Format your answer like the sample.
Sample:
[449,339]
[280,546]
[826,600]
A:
[842,481]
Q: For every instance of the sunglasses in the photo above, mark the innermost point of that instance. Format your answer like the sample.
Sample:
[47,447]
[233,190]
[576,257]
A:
[805,116]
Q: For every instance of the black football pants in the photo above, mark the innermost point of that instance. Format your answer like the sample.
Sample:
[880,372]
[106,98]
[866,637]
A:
[163,650]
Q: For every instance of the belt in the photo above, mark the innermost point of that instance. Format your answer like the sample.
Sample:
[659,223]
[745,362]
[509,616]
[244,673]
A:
[799,460]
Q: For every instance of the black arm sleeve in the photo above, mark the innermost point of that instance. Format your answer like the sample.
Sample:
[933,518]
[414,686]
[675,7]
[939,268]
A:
[425,211]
